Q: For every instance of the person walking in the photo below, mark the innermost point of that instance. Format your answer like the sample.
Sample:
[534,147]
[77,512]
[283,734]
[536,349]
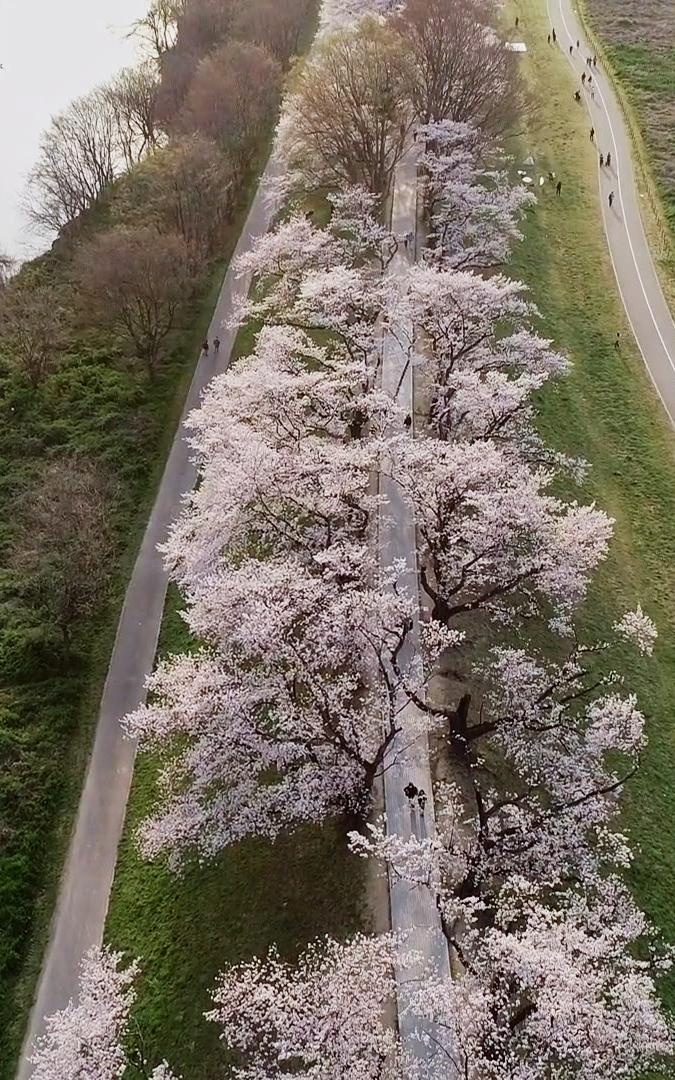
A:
[408,422]
[553,35]
[558,187]
[583,78]
[216,345]
[421,801]
[590,79]
[602,160]
[577,95]
[577,44]
[591,134]
[609,158]
[610,199]
[595,61]
[517,22]
[571,49]
[549,39]
[410,792]
[205,348]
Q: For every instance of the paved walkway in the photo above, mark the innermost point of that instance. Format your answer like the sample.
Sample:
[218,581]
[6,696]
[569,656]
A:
[82,904]
[413,910]
[639,286]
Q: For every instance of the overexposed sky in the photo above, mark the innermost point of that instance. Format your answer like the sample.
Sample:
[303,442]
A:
[51,51]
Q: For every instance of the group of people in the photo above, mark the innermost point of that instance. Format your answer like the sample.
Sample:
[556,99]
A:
[415,796]
[216,346]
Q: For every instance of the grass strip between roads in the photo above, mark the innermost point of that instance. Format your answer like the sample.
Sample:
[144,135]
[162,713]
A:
[606,411]
[186,928]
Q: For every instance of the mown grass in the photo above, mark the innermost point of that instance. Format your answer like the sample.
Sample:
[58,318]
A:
[186,928]
[607,412]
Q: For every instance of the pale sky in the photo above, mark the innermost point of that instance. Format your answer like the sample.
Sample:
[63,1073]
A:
[51,51]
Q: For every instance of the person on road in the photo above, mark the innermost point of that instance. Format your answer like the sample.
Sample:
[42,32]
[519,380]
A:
[421,801]
[558,187]
[553,35]
[549,39]
[610,199]
[517,22]
[408,421]
[595,61]
[609,159]
[571,49]
[590,79]
[216,345]
[577,95]
[591,134]
[602,160]
[410,792]
[583,78]
[205,348]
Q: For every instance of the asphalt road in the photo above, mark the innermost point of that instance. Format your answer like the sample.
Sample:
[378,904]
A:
[413,911]
[639,286]
[82,904]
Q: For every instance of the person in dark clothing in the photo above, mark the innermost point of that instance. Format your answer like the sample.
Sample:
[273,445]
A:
[583,79]
[617,341]
[517,22]
[553,35]
[571,48]
[595,61]
[602,160]
[549,39]
[410,792]
[558,187]
[577,96]
[609,159]
[216,345]
[205,348]
[408,421]
[421,801]
[610,200]
[591,134]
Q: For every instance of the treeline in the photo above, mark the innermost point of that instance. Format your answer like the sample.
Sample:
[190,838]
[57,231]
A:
[143,180]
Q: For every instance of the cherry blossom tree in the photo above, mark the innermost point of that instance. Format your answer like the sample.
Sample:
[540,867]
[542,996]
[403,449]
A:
[91,1039]
[492,539]
[323,1017]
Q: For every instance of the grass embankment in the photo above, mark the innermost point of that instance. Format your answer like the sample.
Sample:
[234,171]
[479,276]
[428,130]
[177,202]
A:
[186,928]
[635,43]
[607,412]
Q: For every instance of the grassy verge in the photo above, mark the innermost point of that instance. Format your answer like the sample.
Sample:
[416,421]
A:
[187,928]
[606,411]
[643,75]
[48,708]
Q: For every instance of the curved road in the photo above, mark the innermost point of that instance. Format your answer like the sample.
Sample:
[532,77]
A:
[646,307]
[82,903]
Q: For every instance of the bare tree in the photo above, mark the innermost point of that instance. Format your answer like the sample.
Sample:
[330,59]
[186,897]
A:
[78,159]
[184,188]
[159,28]
[136,280]
[233,98]
[458,68]
[32,326]
[349,116]
[205,24]
[7,268]
[133,99]
[64,539]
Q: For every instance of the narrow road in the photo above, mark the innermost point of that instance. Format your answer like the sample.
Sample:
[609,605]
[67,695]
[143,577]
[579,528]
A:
[413,910]
[82,904]
[639,286]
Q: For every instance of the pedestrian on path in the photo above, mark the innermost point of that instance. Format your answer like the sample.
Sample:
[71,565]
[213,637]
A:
[517,22]
[558,187]
[553,34]
[549,39]
[610,200]
[571,49]
[583,78]
[593,93]
[589,60]
[590,79]
[577,95]
[592,134]
[609,159]
[617,341]
[421,801]
[410,792]
[216,345]
[577,44]
[205,348]
[408,422]
[595,61]
[602,160]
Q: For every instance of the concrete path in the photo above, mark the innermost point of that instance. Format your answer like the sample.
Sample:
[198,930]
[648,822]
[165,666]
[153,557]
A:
[82,904]
[413,910]
[636,276]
